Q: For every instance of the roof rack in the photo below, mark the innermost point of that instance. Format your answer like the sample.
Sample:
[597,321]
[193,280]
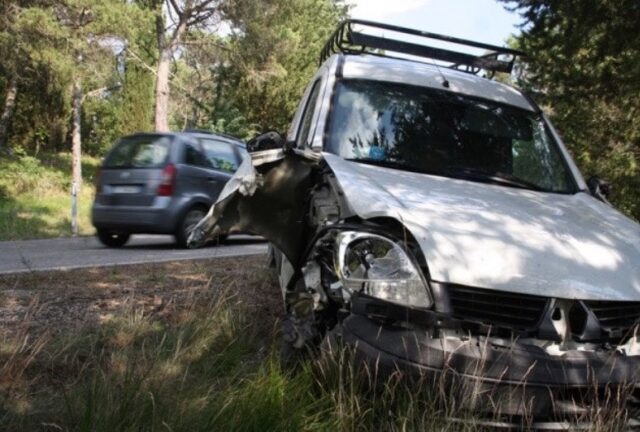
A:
[346,40]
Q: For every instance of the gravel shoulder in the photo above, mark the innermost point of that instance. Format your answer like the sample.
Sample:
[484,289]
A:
[70,300]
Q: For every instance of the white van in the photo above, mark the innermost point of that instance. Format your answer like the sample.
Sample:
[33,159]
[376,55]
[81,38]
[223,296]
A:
[434,220]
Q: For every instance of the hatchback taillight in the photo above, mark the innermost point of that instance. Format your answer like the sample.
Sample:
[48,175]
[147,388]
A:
[168,180]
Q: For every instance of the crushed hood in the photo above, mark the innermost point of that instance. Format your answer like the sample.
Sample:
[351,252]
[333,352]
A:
[491,236]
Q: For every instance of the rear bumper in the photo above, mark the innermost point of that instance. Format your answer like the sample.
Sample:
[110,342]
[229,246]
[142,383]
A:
[492,375]
[161,218]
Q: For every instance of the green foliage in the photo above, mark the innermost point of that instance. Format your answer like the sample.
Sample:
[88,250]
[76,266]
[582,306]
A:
[35,198]
[137,101]
[584,63]
[49,44]
[239,83]
[100,124]
[42,110]
[274,53]
[136,112]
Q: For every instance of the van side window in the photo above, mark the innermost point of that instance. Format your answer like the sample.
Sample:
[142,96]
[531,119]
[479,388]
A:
[193,156]
[305,123]
[220,154]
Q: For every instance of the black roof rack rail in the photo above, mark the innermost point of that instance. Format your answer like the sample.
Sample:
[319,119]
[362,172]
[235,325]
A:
[346,40]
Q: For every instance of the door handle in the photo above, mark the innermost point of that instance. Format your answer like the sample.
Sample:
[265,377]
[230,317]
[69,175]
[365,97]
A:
[211,179]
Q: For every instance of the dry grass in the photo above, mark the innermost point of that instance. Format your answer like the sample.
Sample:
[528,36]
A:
[77,300]
[190,346]
[61,333]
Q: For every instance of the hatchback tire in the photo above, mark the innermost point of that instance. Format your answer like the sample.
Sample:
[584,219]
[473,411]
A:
[187,224]
[112,239]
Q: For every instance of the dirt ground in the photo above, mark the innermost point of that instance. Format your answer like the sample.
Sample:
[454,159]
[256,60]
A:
[67,301]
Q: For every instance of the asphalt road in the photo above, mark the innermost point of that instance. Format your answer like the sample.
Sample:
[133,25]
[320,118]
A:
[68,253]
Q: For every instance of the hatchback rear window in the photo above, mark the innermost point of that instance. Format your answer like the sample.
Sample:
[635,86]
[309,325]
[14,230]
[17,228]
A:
[139,152]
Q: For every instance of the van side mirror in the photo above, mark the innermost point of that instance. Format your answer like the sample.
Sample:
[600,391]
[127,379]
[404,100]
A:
[599,188]
[266,141]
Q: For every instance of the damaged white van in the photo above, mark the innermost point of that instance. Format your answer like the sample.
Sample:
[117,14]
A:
[433,218]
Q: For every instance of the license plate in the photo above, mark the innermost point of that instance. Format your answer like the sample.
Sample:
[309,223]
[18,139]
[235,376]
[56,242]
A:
[125,189]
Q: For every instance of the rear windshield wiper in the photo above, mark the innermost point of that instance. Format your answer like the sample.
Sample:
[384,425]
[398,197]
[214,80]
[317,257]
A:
[494,177]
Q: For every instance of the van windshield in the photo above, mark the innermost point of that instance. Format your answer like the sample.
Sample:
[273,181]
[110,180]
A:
[149,151]
[441,133]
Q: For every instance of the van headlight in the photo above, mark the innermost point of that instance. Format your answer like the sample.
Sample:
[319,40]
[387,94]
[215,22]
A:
[379,267]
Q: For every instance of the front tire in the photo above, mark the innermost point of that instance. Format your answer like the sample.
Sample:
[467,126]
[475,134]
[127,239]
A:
[112,239]
[187,224]
[292,355]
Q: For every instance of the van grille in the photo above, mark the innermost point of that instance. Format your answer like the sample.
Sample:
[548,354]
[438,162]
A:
[497,308]
[615,315]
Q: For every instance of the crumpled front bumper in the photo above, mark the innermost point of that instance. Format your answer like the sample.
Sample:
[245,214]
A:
[503,377]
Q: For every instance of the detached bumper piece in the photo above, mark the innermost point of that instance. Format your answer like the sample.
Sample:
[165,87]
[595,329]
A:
[514,384]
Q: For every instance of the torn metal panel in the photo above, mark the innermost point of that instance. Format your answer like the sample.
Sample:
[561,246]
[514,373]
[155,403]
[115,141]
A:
[266,197]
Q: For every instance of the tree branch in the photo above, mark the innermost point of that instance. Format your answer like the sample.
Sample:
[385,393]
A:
[174,4]
[205,43]
[99,91]
[173,20]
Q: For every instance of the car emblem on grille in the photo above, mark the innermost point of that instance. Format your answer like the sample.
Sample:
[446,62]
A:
[125,175]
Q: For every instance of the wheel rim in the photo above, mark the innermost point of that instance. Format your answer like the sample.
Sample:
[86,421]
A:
[191,220]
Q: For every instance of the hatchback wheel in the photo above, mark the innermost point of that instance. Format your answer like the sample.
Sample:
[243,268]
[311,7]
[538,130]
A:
[187,224]
[113,239]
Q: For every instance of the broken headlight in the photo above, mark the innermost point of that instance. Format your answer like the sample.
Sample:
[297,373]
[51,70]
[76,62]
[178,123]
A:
[379,267]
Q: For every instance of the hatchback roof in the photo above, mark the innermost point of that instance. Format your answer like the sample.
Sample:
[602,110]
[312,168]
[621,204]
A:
[198,133]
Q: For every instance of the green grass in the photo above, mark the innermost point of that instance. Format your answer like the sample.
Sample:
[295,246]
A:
[211,364]
[35,196]
[194,349]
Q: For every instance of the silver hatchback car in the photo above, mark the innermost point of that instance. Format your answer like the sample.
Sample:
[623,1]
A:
[161,183]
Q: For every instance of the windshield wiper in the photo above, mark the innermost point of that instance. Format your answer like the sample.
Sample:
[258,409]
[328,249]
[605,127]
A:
[494,177]
[395,165]
[378,162]
[464,173]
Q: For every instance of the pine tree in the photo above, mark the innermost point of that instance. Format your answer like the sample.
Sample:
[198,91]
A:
[584,63]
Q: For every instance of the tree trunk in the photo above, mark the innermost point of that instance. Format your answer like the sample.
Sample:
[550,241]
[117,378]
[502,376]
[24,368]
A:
[7,112]
[162,91]
[76,149]
[166,46]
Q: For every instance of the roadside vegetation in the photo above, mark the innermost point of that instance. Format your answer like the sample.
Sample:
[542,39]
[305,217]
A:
[189,346]
[78,75]
[181,347]
[35,196]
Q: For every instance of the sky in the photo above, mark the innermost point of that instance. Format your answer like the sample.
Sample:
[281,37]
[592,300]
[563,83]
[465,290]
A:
[480,20]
